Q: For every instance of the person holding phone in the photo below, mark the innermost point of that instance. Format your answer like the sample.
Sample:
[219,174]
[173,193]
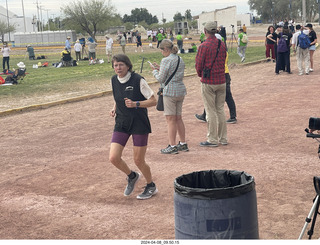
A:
[132,96]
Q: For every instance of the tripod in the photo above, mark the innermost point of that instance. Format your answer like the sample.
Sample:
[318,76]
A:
[316,202]
[233,38]
[314,211]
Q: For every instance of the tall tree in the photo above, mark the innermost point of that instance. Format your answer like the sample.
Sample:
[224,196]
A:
[89,15]
[4,29]
[139,15]
[275,10]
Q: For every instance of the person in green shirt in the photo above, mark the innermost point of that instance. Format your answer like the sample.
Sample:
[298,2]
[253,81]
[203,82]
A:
[194,47]
[179,41]
[159,38]
[202,36]
[242,45]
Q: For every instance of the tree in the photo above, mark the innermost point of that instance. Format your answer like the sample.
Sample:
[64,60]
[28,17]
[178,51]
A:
[90,16]
[4,29]
[276,10]
[139,15]
[177,17]
[188,14]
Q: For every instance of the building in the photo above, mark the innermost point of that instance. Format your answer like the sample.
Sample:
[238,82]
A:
[21,23]
[226,17]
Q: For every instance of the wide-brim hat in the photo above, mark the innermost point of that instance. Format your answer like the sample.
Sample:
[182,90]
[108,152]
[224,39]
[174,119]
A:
[21,65]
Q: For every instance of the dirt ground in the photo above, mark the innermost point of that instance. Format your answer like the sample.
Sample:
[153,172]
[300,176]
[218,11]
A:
[56,181]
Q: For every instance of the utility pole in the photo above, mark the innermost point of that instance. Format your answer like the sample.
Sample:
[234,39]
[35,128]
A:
[24,17]
[304,12]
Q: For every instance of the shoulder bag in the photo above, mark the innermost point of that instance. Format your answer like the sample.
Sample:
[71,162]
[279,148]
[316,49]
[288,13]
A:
[160,106]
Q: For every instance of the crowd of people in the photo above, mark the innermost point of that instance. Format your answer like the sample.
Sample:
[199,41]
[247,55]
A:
[287,36]
[132,96]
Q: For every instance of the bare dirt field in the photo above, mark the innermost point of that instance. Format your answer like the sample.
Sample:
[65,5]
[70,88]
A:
[56,181]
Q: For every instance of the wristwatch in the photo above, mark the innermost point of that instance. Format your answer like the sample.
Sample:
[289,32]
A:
[137,104]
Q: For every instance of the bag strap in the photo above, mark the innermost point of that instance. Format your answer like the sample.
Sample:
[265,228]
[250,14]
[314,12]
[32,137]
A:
[218,50]
[169,79]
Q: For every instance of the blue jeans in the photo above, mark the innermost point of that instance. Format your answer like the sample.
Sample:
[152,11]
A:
[4,61]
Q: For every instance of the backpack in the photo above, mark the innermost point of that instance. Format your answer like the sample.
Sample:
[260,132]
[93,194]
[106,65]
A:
[244,38]
[303,41]
[282,45]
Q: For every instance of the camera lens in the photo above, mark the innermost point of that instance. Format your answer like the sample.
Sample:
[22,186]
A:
[314,123]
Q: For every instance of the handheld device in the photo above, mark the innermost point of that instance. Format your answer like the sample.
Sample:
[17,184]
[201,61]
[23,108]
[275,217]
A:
[150,63]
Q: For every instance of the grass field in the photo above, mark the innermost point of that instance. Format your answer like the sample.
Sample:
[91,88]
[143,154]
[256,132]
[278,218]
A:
[46,82]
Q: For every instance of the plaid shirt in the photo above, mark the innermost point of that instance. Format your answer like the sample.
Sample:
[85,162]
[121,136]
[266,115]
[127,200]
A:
[206,54]
[175,87]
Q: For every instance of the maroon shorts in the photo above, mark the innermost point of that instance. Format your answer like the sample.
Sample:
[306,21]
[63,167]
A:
[122,139]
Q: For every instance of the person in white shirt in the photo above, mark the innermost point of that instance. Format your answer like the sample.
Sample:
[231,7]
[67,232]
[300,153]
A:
[77,48]
[302,54]
[109,45]
[6,56]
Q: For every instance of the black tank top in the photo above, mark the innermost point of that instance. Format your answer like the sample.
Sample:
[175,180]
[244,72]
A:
[130,120]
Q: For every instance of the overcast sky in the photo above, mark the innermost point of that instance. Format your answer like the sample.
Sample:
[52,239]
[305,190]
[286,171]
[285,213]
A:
[160,8]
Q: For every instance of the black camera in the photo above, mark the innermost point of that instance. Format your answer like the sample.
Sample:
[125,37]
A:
[232,25]
[314,123]
[206,73]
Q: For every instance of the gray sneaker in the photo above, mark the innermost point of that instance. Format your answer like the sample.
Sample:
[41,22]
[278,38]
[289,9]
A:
[170,150]
[182,147]
[131,183]
[148,192]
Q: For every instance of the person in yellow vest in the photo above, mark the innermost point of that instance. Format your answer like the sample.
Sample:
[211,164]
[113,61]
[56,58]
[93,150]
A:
[244,28]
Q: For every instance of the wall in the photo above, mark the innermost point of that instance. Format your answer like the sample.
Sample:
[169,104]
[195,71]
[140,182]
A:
[225,17]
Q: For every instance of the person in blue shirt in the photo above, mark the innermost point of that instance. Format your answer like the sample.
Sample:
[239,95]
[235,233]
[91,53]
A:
[68,43]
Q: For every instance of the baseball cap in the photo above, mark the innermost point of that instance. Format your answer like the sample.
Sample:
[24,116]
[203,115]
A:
[309,25]
[210,26]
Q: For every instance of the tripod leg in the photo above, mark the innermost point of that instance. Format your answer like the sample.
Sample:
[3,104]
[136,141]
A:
[308,219]
[310,232]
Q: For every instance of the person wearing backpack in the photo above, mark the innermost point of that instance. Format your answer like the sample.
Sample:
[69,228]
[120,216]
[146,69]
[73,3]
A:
[242,45]
[313,41]
[300,45]
[283,50]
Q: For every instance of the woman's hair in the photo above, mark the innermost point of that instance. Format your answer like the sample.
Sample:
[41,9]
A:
[269,28]
[167,43]
[122,58]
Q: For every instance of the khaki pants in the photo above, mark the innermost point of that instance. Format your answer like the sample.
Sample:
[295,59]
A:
[303,55]
[214,97]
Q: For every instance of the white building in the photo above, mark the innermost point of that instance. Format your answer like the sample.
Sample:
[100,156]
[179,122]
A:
[226,17]
[21,23]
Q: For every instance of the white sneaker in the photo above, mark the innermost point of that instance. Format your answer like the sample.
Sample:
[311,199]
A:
[243,59]
[300,74]
[311,70]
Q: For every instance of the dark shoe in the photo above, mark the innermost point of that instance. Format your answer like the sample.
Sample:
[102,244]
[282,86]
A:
[200,117]
[148,192]
[268,60]
[208,144]
[170,150]
[182,147]
[232,120]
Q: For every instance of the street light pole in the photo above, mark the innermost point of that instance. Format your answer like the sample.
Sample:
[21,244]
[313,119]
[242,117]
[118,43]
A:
[24,17]
[8,19]
[304,12]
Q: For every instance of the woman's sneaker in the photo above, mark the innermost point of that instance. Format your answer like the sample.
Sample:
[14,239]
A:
[170,150]
[131,183]
[182,147]
[148,192]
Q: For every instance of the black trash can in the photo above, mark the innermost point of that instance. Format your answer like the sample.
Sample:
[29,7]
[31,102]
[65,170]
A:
[215,204]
